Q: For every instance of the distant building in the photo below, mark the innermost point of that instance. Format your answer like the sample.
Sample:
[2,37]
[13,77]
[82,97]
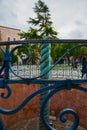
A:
[9,34]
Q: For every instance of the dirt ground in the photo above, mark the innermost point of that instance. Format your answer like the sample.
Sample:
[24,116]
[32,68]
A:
[33,125]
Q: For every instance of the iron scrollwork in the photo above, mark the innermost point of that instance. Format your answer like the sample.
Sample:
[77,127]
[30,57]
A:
[56,87]
[7,59]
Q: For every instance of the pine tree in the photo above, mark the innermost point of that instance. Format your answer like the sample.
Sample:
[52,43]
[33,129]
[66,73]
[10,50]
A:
[41,25]
[43,20]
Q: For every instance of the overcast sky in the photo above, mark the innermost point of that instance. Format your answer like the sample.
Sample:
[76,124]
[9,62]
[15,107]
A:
[69,16]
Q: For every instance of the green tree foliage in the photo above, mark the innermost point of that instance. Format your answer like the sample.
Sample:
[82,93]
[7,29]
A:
[41,26]
[42,22]
[14,58]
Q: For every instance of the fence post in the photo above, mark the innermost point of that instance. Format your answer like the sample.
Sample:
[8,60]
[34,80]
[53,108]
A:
[7,58]
[44,67]
[2,127]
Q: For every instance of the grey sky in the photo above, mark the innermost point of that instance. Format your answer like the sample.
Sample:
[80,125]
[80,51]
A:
[69,16]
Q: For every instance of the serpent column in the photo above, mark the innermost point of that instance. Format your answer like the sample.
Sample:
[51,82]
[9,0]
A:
[44,67]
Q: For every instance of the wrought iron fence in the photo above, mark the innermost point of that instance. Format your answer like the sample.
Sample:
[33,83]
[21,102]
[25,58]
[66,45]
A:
[58,72]
[62,76]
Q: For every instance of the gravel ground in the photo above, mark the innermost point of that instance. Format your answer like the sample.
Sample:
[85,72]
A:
[33,125]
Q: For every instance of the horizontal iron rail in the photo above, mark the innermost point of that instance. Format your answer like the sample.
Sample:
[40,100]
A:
[42,81]
[44,41]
